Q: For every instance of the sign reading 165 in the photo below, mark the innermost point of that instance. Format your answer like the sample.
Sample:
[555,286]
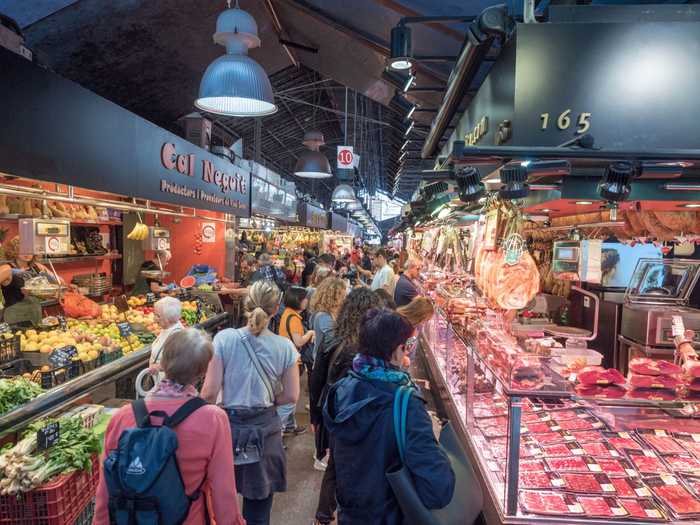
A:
[564,121]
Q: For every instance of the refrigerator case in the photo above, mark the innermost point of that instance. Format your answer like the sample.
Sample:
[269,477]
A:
[549,455]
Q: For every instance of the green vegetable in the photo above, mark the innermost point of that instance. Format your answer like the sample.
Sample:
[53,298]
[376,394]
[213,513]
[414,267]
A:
[15,392]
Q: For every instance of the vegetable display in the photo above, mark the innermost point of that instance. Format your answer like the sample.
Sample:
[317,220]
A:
[15,392]
[24,467]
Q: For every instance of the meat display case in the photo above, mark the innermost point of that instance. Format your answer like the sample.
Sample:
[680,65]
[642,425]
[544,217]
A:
[546,453]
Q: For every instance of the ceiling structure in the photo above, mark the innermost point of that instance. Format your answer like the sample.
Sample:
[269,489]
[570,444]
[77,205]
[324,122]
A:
[148,56]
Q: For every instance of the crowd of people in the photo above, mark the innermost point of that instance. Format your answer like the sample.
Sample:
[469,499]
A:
[348,325]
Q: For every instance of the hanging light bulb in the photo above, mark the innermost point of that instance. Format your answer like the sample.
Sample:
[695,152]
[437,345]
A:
[235,84]
[312,164]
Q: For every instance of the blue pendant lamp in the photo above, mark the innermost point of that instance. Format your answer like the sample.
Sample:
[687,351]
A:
[234,84]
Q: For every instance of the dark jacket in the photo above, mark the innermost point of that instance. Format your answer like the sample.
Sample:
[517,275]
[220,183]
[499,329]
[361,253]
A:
[405,291]
[358,414]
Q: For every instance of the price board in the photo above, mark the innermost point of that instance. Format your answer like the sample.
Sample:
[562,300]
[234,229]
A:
[124,329]
[150,298]
[61,357]
[48,436]
[62,322]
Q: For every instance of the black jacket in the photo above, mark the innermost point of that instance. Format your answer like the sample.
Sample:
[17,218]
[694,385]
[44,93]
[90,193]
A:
[358,414]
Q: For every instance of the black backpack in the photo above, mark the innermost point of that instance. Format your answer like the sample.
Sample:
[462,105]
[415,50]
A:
[143,478]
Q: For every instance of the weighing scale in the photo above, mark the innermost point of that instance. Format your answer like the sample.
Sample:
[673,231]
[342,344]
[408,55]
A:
[48,237]
[158,239]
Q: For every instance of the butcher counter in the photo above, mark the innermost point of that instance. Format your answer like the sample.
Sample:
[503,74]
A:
[548,454]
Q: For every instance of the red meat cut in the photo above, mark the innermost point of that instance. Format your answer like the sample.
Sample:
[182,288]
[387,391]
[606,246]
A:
[532,466]
[597,375]
[623,487]
[604,392]
[598,506]
[586,483]
[677,498]
[624,443]
[663,444]
[653,367]
[544,502]
[578,424]
[585,436]
[653,394]
[678,463]
[612,467]
[534,480]
[642,508]
[568,464]
[692,446]
[664,381]
[647,464]
[549,437]
[561,415]
[557,450]
[598,449]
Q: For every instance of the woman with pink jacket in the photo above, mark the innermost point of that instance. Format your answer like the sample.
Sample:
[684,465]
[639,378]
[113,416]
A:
[204,452]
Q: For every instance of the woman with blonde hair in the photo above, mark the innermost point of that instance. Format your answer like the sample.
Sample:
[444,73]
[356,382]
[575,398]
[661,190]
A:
[325,305]
[418,311]
[256,371]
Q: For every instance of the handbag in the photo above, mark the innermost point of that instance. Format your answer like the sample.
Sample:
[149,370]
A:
[467,500]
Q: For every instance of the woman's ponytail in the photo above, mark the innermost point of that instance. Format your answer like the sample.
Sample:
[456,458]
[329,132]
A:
[261,304]
[257,320]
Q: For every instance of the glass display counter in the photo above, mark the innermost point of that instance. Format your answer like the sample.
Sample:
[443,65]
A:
[547,453]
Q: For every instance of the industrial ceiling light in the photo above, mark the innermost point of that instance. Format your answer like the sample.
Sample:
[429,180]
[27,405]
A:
[615,185]
[514,180]
[312,164]
[404,104]
[469,183]
[353,206]
[402,81]
[235,84]
[400,56]
[343,193]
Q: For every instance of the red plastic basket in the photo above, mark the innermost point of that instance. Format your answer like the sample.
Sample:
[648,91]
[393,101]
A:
[60,502]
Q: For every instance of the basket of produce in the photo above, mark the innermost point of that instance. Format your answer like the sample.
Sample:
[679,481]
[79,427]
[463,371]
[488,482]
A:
[94,284]
[52,486]
[16,392]
[42,288]
[9,347]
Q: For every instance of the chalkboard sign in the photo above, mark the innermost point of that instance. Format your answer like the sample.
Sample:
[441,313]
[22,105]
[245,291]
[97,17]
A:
[62,322]
[150,298]
[62,356]
[47,380]
[124,329]
[48,436]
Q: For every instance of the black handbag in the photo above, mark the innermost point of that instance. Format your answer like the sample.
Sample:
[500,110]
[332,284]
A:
[467,500]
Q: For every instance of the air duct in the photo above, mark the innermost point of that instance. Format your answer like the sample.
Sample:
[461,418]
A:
[492,22]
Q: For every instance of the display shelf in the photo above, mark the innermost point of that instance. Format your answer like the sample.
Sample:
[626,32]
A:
[80,258]
[77,222]
[62,396]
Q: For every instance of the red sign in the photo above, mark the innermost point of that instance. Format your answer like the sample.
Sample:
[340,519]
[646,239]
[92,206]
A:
[345,157]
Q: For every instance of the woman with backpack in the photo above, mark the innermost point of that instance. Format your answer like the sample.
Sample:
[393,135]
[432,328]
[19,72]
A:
[203,446]
[359,415]
[333,361]
[292,327]
[256,371]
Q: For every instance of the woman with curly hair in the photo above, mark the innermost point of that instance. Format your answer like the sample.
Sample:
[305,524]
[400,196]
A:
[332,363]
[324,307]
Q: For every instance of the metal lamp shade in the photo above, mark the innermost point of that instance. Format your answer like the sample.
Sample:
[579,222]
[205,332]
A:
[343,193]
[400,48]
[353,206]
[237,86]
[313,165]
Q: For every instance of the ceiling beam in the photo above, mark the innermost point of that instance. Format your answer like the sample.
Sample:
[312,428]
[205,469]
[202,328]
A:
[401,9]
[376,44]
[281,34]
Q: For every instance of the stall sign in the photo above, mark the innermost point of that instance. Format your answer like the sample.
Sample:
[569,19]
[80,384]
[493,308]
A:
[48,435]
[92,143]
[312,216]
[209,232]
[61,357]
[346,159]
[124,329]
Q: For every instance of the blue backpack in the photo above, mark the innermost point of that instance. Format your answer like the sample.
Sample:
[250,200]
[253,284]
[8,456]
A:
[142,475]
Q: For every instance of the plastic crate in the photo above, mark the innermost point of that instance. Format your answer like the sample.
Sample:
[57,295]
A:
[9,348]
[86,517]
[16,368]
[60,502]
[108,357]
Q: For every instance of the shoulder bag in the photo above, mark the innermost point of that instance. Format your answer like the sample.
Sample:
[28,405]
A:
[467,500]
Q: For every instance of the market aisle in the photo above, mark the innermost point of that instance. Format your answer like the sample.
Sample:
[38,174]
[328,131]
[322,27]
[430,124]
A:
[298,504]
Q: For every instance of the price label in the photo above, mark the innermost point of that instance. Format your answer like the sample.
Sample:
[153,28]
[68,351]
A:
[649,453]
[124,329]
[668,479]
[607,487]
[62,322]
[643,492]
[652,513]
[677,326]
[632,473]
[62,356]
[575,508]
[557,482]
[624,435]
[150,298]
[617,511]
[696,437]
[48,436]
[577,452]
[594,467]
[660,433]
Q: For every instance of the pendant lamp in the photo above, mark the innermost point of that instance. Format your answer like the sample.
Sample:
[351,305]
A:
[312,164]
[343,193]
[235,84]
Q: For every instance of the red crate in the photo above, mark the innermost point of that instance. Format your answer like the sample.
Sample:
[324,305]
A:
[60,502]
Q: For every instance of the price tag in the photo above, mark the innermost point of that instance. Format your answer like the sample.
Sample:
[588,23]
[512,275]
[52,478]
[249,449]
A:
[668,479]
[597,424]
[594,467]
[643,492]
[696,437]
[614,453]
[677,326]
[555,428]
[652,513]
[650,453]
[150,298]
[660,433]
[617,511]
[607,487]
[624,435]
[577,452]
[62,356]
[62,322]
[632,473]
[558,482]
[48,436]
[575,508]
[124,329]
[569,437]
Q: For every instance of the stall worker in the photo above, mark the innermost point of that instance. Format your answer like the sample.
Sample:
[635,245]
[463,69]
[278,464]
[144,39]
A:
[19,268]
[143,285]
[406,289]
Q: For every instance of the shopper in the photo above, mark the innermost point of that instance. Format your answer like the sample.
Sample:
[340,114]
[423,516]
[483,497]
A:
[333,361]
[204,452]
[167,312]
[255,370]
[384,275]
[417,312]
[249,265]
[292,327]
[358,413]
[142,284]
[267,271]
[406,288]
[309,266]
[325,305]
[387,300]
